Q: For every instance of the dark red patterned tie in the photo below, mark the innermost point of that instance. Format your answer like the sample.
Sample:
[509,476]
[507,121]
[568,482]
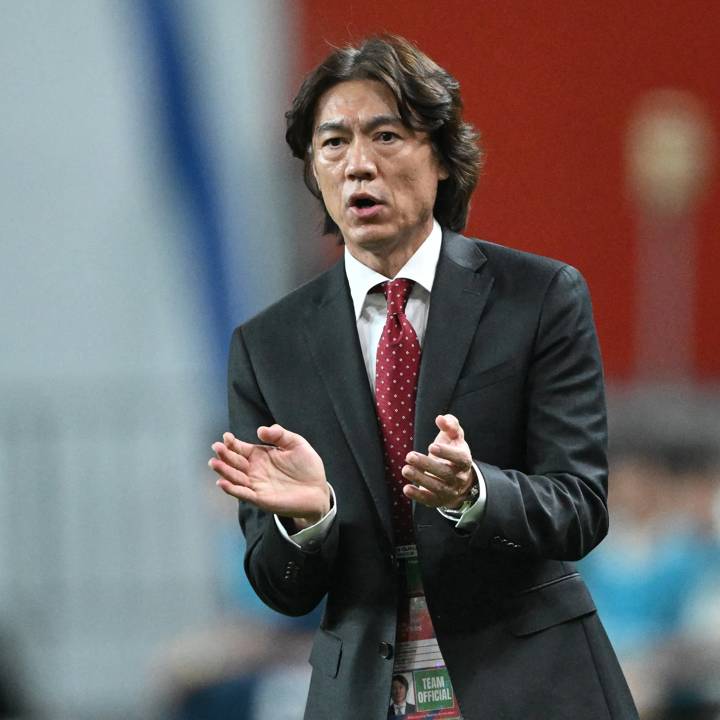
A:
[396,376]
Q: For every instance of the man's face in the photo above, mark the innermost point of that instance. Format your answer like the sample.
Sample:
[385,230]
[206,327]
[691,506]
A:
[398,692]
[378,178]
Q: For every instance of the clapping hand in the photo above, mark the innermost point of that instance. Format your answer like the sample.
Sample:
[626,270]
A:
[443,477]
[284,475]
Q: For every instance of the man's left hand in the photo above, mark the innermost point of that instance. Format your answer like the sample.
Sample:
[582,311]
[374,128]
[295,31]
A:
[443,477]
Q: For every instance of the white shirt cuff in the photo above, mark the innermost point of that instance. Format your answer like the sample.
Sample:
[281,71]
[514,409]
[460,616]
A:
[471,517]
[310,537]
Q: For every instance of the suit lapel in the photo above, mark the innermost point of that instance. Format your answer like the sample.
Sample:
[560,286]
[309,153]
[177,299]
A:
[331,332]
[460,290]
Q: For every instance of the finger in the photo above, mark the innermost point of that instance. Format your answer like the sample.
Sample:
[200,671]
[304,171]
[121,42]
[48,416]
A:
[446,490]
[421,495]
[459,457]
[236,491]
[431,465]
[280,437]
[230,457]
[450,425]
[228,472]
[429,482]
[238,446]
[445,493]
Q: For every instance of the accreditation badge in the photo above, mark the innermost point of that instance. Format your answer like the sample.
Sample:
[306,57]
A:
[421,684]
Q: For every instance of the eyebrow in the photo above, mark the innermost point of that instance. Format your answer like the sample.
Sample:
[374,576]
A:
[372,124]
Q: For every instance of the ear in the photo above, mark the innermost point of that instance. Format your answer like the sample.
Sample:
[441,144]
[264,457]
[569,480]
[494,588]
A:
[310,174]
[443,173]
[312,167]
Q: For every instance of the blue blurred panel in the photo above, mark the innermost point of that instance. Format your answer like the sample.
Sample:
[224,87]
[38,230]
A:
[189,151]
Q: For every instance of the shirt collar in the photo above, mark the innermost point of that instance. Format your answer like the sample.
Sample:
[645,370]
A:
[420,268]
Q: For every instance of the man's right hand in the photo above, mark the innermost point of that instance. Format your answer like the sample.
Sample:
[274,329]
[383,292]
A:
[285,476]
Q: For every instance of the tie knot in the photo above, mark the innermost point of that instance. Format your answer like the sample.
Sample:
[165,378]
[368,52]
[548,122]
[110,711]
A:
[397,292]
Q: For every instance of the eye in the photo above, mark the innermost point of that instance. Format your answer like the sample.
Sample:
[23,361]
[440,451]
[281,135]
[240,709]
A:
[332,142]
[387,136]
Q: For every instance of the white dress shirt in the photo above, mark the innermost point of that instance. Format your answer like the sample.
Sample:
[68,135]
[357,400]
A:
[370,315]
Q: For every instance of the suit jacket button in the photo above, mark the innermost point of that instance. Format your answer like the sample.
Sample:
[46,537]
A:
[386,650]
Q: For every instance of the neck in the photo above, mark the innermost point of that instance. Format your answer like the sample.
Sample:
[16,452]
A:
[389,257]
[387,265]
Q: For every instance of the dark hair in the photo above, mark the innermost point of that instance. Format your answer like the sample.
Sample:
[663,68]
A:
[402,680]
[428,99]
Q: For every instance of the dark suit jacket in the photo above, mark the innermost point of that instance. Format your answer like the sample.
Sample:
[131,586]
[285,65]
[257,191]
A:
[511,350]
[409,708]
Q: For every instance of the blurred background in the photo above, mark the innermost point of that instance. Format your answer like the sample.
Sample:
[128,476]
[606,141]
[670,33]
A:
[148,204]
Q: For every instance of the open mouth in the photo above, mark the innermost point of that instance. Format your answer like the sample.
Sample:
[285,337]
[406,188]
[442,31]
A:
[364,203]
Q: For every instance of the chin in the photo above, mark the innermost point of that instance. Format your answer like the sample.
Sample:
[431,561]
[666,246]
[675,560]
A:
[368,237]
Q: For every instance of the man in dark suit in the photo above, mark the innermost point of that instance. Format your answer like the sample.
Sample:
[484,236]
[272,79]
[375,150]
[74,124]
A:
[399,705]
[441,520]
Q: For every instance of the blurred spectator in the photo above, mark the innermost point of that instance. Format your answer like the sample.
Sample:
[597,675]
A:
[252,663]
[656,578]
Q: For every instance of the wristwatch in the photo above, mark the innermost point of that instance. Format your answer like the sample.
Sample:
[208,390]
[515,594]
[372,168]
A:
[473,495]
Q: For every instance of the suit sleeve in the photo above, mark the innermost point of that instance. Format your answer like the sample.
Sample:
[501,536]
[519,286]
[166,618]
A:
[287,578]
[558,509]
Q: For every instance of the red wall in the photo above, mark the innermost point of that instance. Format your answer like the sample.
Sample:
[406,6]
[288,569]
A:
[551,85]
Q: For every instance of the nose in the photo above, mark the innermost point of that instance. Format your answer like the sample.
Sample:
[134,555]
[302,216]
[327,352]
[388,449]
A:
[360,163]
